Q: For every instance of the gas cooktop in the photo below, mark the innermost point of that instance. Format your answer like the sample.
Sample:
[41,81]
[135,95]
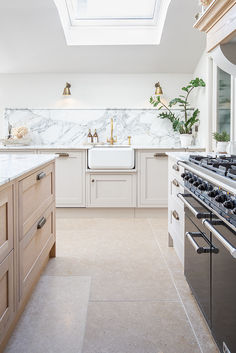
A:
[224,165]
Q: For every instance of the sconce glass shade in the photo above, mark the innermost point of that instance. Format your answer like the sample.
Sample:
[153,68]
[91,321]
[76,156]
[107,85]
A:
[158,91]
[67,91]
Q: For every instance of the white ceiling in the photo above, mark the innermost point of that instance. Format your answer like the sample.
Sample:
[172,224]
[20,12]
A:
[32,41]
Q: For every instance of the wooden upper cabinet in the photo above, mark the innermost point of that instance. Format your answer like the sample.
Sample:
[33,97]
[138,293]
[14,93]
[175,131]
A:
[6,221]
[219,22]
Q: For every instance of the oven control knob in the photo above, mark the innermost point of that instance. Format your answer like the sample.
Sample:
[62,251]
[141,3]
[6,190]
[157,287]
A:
[220,198]
[188,176]
[191,180]
[183,175]
[209,187]
[202,187]
[196,183]
[229,204]
[212,193]
[234,211]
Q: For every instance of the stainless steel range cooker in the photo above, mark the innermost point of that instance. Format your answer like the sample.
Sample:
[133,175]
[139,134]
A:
[210,241]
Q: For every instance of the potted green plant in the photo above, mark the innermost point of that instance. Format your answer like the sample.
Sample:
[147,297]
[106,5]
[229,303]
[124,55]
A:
[184,124]
[222,140]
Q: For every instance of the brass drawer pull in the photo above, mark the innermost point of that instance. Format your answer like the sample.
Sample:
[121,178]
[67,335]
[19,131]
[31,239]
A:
[41,176]
[63,154]
[175,215]
[175,183]
[41,223]
[156,155]
[175,167]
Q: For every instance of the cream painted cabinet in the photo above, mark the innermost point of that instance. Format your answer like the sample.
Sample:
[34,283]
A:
[153,179]
[70,178]
[111,190]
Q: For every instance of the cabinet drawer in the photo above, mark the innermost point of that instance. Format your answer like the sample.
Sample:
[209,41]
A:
[36,193]
[6,222]
[39,237]
[176,219]
[175,169]
[111,190]
[6,294]
[175,186]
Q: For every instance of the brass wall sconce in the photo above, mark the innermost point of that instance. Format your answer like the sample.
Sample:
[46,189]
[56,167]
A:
[158,91]
[67,91]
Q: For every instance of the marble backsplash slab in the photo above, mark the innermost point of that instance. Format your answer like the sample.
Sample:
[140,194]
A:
[70,127]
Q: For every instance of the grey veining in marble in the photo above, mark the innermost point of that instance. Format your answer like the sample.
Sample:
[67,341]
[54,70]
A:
[70,127]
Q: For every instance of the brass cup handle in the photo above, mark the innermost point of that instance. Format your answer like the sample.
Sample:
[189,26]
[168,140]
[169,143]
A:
[63,154]
[175,215]
[175,167]
[175,183]
[156,155]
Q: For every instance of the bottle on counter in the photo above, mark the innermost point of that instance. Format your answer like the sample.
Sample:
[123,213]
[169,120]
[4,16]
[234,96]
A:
[95,137]
[90,137]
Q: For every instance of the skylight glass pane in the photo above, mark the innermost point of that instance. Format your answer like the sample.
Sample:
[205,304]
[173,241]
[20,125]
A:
[115,9]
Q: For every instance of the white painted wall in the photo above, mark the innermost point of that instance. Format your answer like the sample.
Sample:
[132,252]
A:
[201,99]
[88,90]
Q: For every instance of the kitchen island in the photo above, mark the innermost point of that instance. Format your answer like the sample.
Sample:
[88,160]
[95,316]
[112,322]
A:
[27,230]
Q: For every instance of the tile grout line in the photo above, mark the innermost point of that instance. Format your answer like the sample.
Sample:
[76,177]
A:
[172,278]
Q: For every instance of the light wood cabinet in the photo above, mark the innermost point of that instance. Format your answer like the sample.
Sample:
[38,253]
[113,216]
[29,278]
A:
[27,239]
[36,193]
[6,221]
[219,22]
[153,179]
[34,248]
[111,190]
[6,294]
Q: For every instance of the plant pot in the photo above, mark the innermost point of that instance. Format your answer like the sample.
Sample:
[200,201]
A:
[221,147]
[186,140]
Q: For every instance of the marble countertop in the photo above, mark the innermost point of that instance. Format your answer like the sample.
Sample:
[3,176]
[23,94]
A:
[85,147]
[13,165]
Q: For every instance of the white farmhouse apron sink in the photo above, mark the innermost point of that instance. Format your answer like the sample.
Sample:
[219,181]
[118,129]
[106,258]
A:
[111,157]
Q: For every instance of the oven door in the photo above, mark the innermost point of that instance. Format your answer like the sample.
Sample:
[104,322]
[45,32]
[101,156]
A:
[198,247]
[223,284]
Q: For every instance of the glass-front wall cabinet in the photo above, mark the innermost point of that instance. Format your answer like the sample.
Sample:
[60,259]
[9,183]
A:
[223,122]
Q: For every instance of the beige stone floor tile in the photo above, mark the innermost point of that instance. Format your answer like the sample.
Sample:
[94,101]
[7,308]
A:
[55,317]
[138,328]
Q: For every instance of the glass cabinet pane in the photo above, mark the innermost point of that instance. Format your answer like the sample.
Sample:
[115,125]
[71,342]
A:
[223,101]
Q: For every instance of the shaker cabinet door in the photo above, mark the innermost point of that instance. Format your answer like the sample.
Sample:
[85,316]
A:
[153,179]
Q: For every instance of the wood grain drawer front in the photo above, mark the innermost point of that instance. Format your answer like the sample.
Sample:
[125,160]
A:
[112,190]
[33,244]
[36,193]
[6,294]
[6,222]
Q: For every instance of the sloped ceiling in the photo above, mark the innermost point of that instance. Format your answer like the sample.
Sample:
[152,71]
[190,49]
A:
[32,41]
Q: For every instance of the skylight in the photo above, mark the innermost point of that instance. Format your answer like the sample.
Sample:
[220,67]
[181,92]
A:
[115,9]
[112,22]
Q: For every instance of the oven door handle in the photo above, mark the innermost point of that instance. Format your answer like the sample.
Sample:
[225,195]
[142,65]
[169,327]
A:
[197,214]
[200,249]
[220,237]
